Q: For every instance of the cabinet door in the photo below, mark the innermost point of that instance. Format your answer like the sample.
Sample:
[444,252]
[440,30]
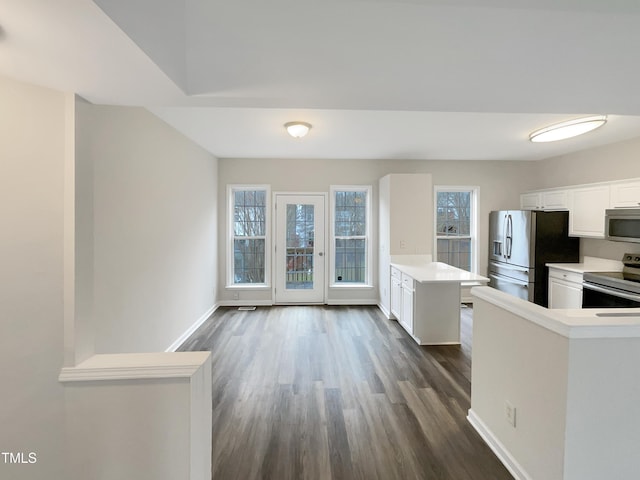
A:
[396,297]
[406,317]
[625,194]
[530,201]
[555,200]
[586,211]
[564,294]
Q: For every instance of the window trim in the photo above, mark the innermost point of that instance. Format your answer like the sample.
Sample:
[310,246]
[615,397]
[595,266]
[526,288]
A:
[230,283]
[473,227]
[368,189]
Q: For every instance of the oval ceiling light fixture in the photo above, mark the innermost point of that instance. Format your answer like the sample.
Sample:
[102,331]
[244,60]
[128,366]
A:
[571,128]
[297,129]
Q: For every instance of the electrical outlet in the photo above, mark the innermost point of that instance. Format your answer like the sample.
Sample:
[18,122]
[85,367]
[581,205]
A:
[510,414]
[403,244]
[236,295]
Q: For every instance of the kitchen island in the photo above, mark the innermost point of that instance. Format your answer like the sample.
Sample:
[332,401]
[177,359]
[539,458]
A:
[425,299]
[555,393]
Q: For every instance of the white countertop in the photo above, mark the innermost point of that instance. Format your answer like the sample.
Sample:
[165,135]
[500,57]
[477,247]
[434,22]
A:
[589,264]
[571,323]
[437,272]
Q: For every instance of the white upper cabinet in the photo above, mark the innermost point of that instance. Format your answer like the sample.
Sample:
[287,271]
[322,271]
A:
[586,203]
[531,201]
[587,206]
[555,200]
[625,194]
[545,200]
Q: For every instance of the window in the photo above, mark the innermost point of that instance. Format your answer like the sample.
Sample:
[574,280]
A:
[248,235]
[456,226]
[351,260]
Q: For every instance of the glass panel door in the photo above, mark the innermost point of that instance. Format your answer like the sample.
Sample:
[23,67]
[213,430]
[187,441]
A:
[300,245]
[300,258]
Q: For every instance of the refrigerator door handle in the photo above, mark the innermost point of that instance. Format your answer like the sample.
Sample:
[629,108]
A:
[509,280]
[509,267]
[506,238]
[509,236]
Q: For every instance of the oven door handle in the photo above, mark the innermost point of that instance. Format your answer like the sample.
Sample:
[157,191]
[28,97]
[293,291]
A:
[614,293]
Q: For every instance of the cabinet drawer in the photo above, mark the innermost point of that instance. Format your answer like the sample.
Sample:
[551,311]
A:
[565,275]
[395,273]
[407,281]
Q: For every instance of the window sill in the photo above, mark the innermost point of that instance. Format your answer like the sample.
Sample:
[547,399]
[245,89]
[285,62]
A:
[354,286]
[248,286]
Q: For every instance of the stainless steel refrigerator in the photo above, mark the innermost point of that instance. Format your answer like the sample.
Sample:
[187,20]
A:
[521,243]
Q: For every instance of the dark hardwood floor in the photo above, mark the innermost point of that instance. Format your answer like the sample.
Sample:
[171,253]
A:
[322,392]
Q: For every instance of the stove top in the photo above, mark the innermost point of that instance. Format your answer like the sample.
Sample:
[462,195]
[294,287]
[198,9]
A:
[627,280]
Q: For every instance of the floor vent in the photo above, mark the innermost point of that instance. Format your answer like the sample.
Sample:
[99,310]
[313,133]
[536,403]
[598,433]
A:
[246,309]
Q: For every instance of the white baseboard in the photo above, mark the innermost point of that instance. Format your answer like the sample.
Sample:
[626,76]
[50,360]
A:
[245,303]
[498,448]
[175,345]
[342,301]
[386,312]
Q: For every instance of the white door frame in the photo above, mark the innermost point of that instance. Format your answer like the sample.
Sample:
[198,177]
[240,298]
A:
[325,258]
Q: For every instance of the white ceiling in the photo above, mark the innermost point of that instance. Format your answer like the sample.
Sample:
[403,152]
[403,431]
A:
[407,79]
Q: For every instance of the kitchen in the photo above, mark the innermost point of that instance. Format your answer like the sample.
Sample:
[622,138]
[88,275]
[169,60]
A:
[570,405]
[480,70]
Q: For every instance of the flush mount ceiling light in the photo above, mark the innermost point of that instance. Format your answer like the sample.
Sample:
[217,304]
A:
[569,129]
[297,129]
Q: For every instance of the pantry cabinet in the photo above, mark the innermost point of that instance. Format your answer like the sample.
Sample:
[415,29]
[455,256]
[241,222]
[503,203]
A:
[405,226]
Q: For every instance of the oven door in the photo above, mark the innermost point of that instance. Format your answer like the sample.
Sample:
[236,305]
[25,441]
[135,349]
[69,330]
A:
[597,296]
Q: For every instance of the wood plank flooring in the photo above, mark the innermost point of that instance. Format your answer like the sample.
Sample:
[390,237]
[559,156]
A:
[333,392]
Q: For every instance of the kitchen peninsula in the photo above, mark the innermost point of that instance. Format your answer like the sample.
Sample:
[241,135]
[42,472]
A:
[555,392]
[425,298]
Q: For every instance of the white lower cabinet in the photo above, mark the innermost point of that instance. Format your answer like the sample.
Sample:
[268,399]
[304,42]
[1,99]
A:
[396,297]
[428,311]
[407,311]
[565,289]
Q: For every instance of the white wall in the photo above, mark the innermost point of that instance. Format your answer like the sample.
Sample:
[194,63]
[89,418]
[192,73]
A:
[517,361]
[603,409]
[154,229]
[500,186]
[104,197]
[80,328]
[571,378]
[32,152]
[139,416]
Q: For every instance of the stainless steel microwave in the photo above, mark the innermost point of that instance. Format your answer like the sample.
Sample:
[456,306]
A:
[622,224]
